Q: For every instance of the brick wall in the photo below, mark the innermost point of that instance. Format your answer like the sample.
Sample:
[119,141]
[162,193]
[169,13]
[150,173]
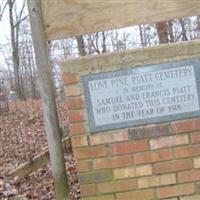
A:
[158,161]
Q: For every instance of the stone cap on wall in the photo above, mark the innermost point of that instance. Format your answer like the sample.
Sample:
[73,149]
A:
[125,59]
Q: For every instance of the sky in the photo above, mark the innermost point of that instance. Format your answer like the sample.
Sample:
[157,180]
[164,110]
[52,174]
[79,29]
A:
[5,32]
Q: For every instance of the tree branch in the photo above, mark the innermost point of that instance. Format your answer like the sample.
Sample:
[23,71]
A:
[2,9]
[20,21]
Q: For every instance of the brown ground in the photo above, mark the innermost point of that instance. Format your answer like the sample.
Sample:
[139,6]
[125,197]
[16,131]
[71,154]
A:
[22,137]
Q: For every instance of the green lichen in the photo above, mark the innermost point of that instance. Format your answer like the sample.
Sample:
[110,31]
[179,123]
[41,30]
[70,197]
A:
[62,192]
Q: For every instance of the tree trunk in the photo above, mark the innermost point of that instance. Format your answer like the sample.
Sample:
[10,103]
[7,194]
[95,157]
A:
[142,35]
[81,46]
[104,42]
[170,30]
[48,98]
[162,30]
[198,27]
[33,89]
[15,53]
[198,23]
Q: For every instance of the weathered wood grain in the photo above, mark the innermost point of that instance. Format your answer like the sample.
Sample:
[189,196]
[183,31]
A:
[38,162]
[65,18]
[48,99]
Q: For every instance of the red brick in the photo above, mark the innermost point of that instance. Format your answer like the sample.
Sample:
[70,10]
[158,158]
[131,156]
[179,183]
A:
[79,141]
[169,141]
[113,162]
[76,116]
[195,137]
[151,157]
[136,195]
[177,190]
[186,125]
[172,166]
[77,128]
[188,151]
[129,147]
[111,137]
[70,78]
[117,186]
[72,90]
[88,190]
[83,166]
[90,152]
[75,103]
[189,176]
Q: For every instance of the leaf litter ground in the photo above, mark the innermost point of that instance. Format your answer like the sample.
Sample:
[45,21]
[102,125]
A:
[22,137]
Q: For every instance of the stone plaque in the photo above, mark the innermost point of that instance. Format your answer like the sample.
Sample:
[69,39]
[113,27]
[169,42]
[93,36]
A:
[143,95]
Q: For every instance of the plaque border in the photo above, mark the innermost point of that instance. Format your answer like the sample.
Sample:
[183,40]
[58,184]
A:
[139,69]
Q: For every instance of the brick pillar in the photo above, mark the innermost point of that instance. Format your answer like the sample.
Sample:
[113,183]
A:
[157,161]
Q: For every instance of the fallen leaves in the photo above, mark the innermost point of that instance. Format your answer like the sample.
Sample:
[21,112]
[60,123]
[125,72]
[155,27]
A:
[22,137]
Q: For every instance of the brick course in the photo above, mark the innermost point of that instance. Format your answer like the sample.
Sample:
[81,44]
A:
[72,90]
[152,156]
[111,137]
[195,137]
[187,151]
[186,126]
[70,78]
[79,141]
[77,128]
[177,190]
[150,131]
[189,176]
[129,147]
[169,141]
[88,190]
[172,166]
[158,180]
[89,152]
[113,162]
[117,186]
[140,195]
[75,103]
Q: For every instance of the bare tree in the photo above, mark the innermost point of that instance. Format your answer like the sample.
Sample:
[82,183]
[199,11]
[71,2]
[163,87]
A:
[16,18]
[198,23]
[142,36]
[104,35]
[81,46]
[3,5]
[96,43]
[170,31]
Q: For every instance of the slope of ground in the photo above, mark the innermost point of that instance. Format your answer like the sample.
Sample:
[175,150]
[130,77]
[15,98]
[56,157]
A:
[22,137]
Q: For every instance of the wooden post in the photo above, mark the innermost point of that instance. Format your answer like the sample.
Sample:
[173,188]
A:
[48,98]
